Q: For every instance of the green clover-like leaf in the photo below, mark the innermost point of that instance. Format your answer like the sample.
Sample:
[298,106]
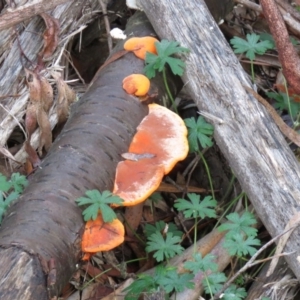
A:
[98,201]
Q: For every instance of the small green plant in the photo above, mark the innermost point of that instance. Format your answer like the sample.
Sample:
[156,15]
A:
[160,226]
[240,239]
[165,279]
[10,190]
[234,293]
[98,201]
[165,49]
[213,280]
[240,224]
[164,247]
[240,246]
[197,209]
[199,132]
[285,102]
[251,46]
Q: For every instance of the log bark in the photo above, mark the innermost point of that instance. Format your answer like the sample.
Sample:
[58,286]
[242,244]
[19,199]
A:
[45,224]
[254,147]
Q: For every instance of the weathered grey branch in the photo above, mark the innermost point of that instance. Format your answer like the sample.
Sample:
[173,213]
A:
[14,16]
[71,16]
[256,150]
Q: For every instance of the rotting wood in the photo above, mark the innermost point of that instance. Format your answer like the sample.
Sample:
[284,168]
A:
[281,285]
[45,222]
[253,145]
[16,15]
[71,18]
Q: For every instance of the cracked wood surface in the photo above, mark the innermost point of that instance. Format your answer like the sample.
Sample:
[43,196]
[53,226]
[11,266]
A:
[253,145]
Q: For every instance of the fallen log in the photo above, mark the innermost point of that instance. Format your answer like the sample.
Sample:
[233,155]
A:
[254,147]
[41,233]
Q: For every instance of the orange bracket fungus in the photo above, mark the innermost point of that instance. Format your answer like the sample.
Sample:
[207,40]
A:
[140,45]
[136,84]
[101,236]
[162,135]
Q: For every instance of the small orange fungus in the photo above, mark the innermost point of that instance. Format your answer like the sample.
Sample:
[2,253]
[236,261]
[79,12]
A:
[136,84]
[162,134]
[141,45]
[101,236]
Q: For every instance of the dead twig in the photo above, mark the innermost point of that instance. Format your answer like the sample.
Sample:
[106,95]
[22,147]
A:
[107,25]
[251,262]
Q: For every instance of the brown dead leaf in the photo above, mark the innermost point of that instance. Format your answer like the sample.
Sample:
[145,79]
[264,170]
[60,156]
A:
[32,155]
[45,131]
[34,85]
[30,119]
[41,100]
[46,94]
[66,96]
[50,35]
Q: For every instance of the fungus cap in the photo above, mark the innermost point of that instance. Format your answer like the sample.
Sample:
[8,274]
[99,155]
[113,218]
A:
[162,134]
[141,45]
[136,84]
[101,236]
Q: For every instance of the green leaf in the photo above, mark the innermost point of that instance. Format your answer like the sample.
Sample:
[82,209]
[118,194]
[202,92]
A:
[197,208]
[19,182]
[98,202]
[214,282]
[165,49]
[164,278]
[164,248]
[160,226]
[10,198]
[199,132]
[282,101]
[140,285]
[251,46]
[234,293]
[200,264]
[264,36]
[236,245]
[174,281]
[240,224]
[4,184]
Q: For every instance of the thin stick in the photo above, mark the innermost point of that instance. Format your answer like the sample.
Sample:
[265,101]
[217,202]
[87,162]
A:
[107,25]
[249,264]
